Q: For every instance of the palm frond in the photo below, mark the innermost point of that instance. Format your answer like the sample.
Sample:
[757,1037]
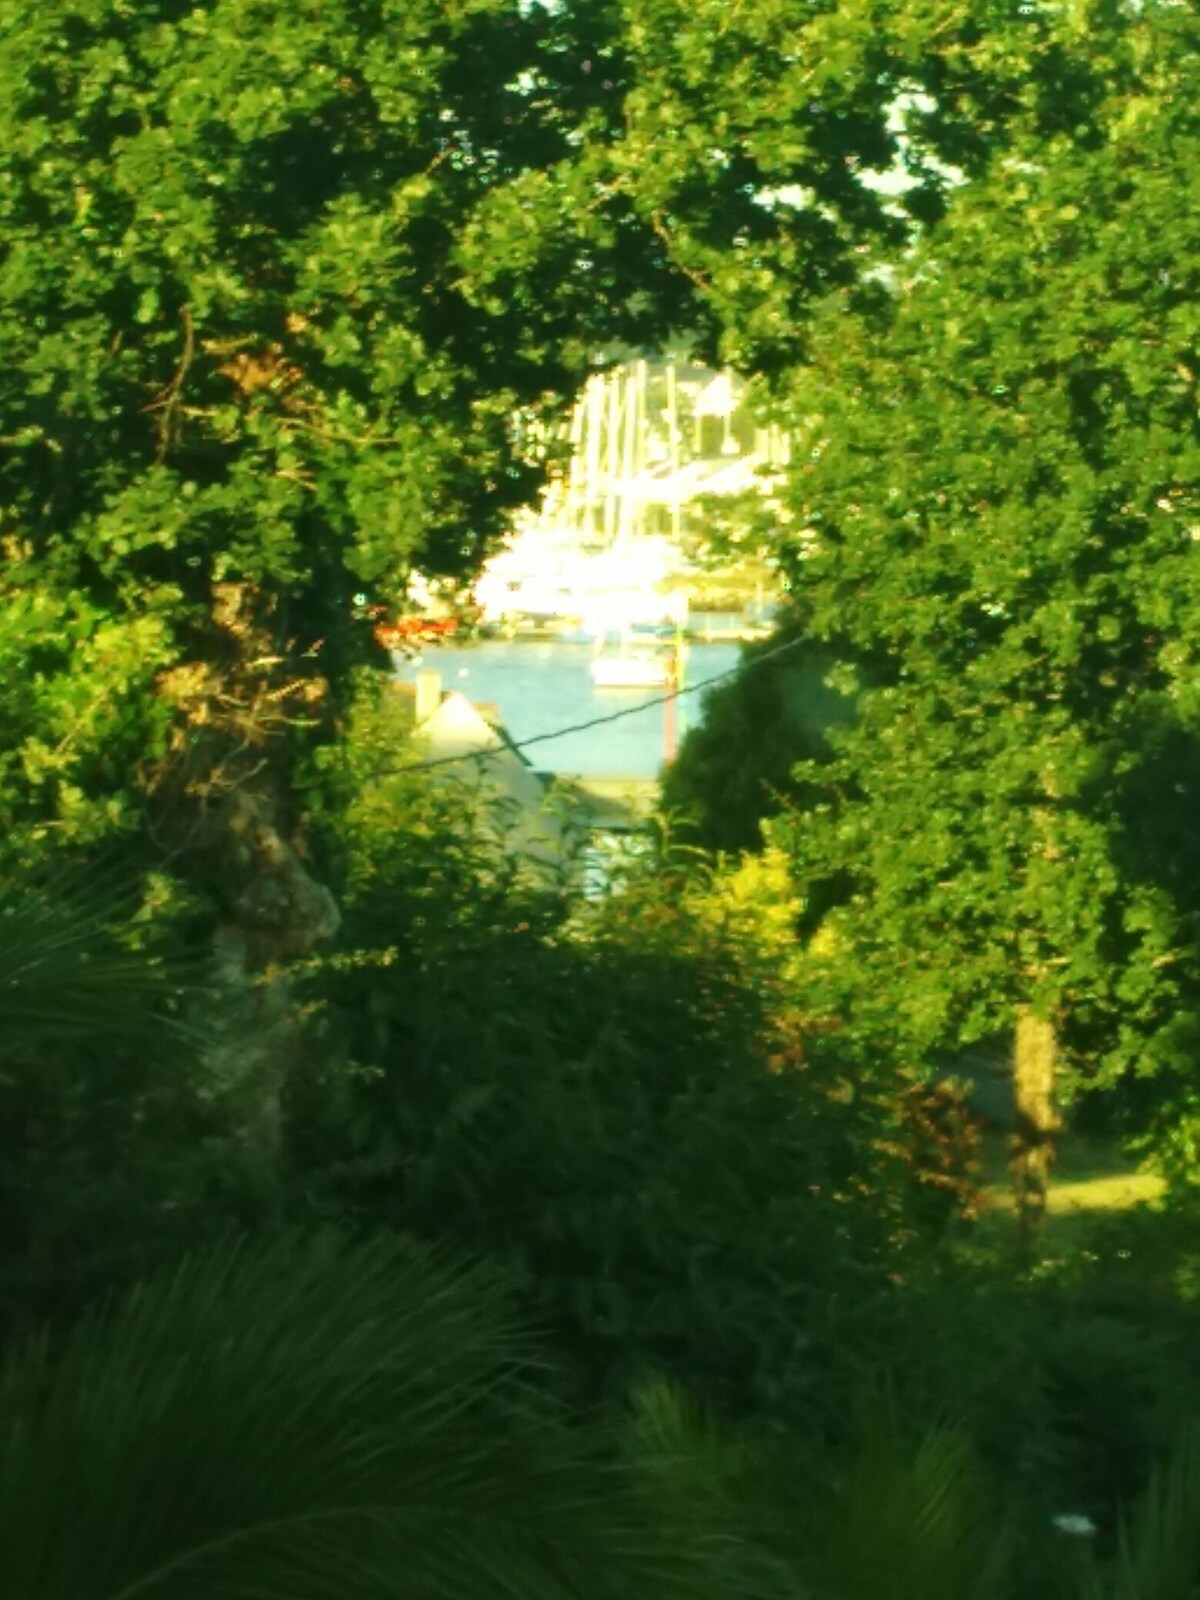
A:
[1158,1553]
[707,1487]
[309,1420]
[67,974]
[901,1521]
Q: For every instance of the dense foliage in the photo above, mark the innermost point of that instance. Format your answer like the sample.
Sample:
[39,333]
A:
[737,767]
[124,1138]
[303,1417]
[994,554]
[277,296]
[666,1200]
[999,492]
[285,298]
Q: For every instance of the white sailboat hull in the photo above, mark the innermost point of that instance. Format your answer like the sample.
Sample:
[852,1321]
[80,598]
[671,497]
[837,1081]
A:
[631,672]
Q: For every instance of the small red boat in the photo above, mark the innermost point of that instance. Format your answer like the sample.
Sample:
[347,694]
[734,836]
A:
[403,631]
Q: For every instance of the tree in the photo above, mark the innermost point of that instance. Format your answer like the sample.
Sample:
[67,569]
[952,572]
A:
[747,127]
[735,768]
[757,137]
[1000,491]
[274,291]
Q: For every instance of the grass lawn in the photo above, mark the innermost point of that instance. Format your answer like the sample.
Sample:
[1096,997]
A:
[1090,1175]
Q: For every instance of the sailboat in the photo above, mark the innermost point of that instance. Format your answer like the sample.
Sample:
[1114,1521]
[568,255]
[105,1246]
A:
[632,668]
[634,561]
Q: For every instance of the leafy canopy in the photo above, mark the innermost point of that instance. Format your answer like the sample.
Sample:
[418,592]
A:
[273,289]
[1001,502]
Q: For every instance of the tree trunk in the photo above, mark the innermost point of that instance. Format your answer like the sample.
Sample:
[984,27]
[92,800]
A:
[282,915]
[1035,1057]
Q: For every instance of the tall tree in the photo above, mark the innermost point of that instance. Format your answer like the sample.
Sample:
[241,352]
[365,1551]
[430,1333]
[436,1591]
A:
[799,151]
[273,287]
[1002,494]
[764,143]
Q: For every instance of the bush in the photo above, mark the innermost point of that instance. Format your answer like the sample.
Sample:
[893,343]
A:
[735,768]
[314,1419]
[610,1106]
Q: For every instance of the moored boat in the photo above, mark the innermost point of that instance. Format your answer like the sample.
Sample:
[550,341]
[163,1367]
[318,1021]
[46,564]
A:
[633,669]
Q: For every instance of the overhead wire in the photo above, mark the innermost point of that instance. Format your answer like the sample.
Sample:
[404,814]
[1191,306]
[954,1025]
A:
[598,722]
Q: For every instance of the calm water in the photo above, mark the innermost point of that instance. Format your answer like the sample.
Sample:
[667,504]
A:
[543,686]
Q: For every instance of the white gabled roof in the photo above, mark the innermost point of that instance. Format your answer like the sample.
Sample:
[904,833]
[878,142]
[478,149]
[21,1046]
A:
[502,781]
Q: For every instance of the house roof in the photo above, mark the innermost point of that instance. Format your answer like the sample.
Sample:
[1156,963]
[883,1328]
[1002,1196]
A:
[501,778]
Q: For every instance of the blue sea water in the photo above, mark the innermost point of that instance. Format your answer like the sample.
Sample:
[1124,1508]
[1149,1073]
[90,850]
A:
[540,687]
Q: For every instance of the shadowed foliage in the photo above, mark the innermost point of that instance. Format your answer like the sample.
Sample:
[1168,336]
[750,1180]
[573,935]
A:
[123,1135]
[302,1418]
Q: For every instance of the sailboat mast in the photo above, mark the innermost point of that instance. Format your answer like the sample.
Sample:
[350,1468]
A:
[628,454]
[573,509]
[592,431]
[614,454]
[673,450]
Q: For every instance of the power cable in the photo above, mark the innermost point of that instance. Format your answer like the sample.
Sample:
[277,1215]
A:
[596,722]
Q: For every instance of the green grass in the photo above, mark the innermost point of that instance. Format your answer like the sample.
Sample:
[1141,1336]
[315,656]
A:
[1091,1175]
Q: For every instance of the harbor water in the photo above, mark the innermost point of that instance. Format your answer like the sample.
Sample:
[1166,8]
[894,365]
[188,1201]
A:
[539,687]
